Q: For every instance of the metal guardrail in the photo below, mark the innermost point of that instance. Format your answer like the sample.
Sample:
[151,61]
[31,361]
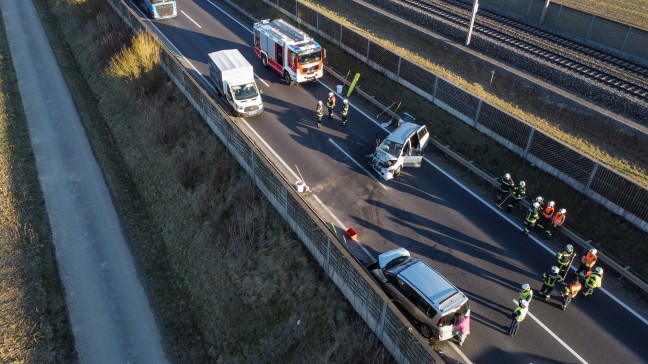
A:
[608,260]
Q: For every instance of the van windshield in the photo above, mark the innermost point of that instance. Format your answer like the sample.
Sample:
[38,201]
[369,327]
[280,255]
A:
[393,148]
[244,92]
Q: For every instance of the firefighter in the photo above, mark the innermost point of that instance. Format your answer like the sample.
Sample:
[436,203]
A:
[546,215]
[526,294]
[556,222]
[519,192]
[593,280]
[540,201]
[345,111]
[565,259]
[330,103]
[518,316]
[320,112]
[505,188]
[549,281]
[587,261]
[531,217]
[570,292]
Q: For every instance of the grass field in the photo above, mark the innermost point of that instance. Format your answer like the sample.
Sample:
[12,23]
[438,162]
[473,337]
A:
[227,277]
[625,11]
[607,231]
[33,320]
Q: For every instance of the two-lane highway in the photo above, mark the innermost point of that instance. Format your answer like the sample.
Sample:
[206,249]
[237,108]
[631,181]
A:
[427,211]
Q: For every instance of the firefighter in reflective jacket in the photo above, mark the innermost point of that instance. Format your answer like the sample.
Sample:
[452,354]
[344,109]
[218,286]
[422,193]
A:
[518,316]
[505,188]
[587,261]
[546,215]
[549,281]
[330,103]
[570,291]
[592,281]
[531,217]
[345,111]
[320,112]
[557,222]
[565,258]
[526,294]
[519,192]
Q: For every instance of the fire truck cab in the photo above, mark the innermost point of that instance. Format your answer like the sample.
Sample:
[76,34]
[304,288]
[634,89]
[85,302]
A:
[289,51]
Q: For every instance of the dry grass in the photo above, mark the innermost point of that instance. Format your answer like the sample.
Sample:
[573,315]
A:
[137,62]
[624,11]
[33,326]
[243,275]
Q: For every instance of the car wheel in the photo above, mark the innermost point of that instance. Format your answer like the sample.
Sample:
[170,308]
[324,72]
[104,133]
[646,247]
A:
[287,78]
[264,60]
[426,331]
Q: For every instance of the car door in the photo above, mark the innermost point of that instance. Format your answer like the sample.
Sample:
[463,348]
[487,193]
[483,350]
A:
[417,142]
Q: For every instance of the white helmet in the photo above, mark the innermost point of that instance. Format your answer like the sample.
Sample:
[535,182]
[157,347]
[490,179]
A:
[569,248]
[507,176]
[554,269]
[552,204]
[345,101]
[526,287]
[524,303]
[319,103]
[330,94]
[522,184]
[593,251]
[563,211]
[536,205]
[598,270]
[539,199]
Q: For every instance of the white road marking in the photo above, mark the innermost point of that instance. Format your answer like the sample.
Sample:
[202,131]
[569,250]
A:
[188,17]
[261,79]
[461,354]
[358,164]
[554,336]
[271,150]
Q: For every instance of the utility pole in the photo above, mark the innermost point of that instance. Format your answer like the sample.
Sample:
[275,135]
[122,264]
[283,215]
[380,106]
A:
[472,21]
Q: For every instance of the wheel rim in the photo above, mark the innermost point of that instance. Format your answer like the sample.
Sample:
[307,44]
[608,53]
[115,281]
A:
[426,331]
[287,77]
[264,60]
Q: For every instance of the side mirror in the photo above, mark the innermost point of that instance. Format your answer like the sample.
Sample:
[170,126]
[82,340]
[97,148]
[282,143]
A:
[324,53]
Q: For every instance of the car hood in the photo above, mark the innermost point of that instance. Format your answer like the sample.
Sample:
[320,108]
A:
[386,257]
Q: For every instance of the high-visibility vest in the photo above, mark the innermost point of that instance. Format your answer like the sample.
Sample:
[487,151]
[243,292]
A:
[572,290]
[564,257]
[558,219]
[548,212]
[589,259]
[550,279]
[593,280]
[345,110]
[526,295]
[532,215]
[319,110]
[520,313]
[331,101]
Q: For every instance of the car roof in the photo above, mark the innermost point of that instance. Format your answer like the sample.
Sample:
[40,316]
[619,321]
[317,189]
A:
[432,285]
[402,132]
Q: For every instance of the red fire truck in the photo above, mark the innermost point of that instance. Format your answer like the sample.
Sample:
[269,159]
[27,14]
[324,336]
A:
[288,50]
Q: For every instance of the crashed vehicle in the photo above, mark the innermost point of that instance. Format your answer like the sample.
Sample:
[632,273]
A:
[430,299]
[402,148]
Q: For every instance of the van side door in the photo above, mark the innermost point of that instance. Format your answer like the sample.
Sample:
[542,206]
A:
[417,143]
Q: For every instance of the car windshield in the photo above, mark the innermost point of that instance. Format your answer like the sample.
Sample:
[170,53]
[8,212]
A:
[311,57]
[394,149]
[244,92]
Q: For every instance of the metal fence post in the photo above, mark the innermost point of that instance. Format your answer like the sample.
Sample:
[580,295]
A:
[398,69]
[586,187]
[436,85]
[479,105]
[625,40]
[528,146]
[590,27]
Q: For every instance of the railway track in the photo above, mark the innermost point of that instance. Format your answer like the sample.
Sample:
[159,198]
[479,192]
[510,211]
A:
[601,68]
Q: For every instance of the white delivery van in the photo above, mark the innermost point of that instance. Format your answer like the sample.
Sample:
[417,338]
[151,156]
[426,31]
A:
[402,148]
[233,78]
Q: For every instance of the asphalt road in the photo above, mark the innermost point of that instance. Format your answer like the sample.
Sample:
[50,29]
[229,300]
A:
[427,211]
[108,308]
